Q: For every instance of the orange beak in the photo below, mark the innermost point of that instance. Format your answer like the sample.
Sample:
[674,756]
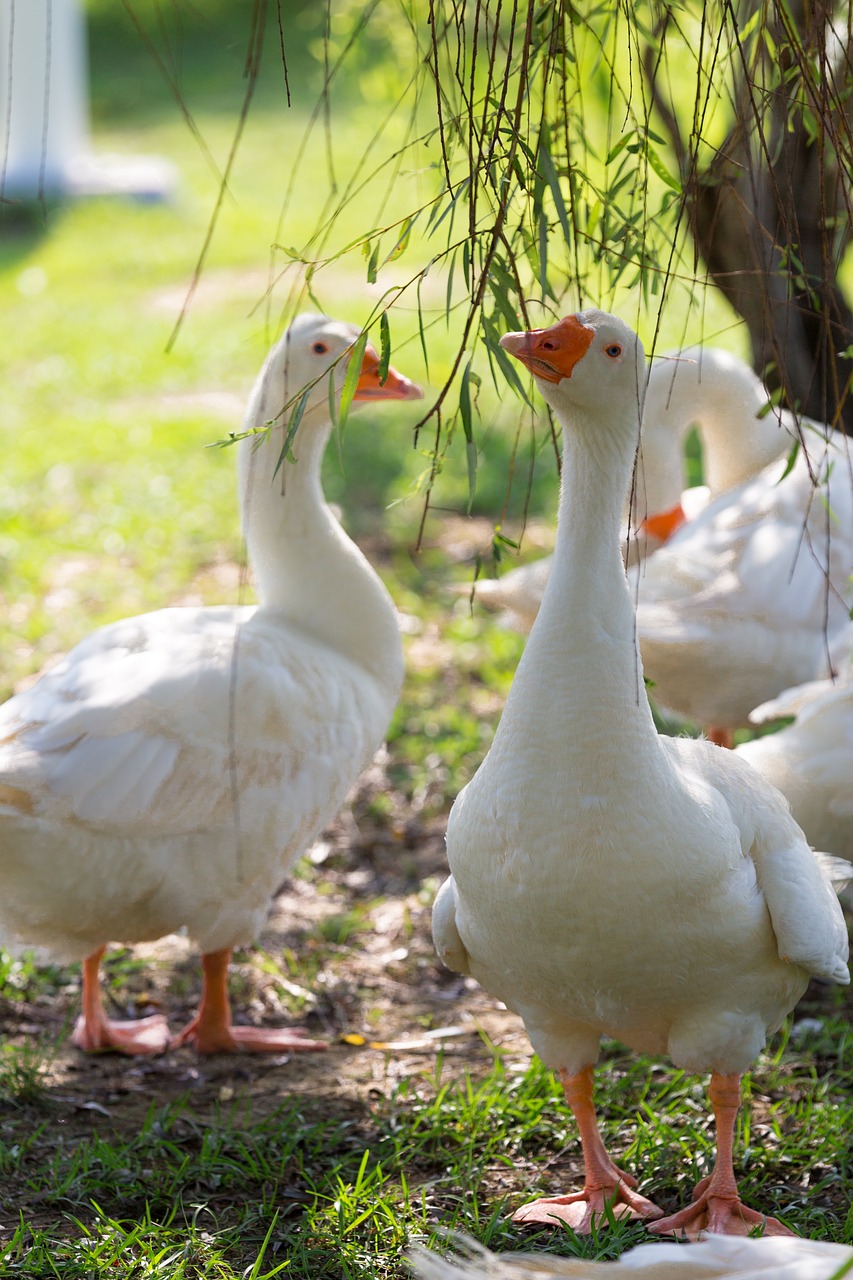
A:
[665,523]
[551,354]
[395,386]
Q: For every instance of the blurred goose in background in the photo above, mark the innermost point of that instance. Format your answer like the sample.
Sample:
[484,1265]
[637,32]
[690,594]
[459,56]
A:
[172,768]
[753,595]
[811,760]
[714,1258]
[606,880]
[701,386]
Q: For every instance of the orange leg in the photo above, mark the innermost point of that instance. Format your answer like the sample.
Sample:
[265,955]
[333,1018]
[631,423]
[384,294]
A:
[95,1032]
[722,737]
[716,1204]
[211,1030]
[604,1183]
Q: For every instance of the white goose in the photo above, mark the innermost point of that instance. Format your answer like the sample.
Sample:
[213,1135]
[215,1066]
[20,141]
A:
[606,880]
[727,402]
[753,595]
[715,1258]
[701,386]
[811,760]
[172,768]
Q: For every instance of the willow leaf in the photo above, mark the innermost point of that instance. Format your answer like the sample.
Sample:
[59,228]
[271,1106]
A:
[351,380]
[384,347]
[402,240]
[292,428]
[468,428]
[661,170]
[790,461]
[553,181]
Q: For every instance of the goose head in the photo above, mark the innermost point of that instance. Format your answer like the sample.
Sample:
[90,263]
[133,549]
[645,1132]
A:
[585,362]
[313,349]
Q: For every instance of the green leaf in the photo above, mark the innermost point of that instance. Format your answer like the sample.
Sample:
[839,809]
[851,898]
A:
[468,428]
[384,347]
[593,218]
[553,181]
[449,300]
[292,427]
[497,353]
[500,284]
[402,240]
[773,400]
[789,464]
[373,264]
[543,255]
[421,326]
[618,147]
[661,170]
[351,379]
[520,175]
[333,399]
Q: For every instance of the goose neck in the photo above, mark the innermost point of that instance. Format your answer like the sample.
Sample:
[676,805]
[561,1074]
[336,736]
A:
[581,672]
[588,554]
[307,571]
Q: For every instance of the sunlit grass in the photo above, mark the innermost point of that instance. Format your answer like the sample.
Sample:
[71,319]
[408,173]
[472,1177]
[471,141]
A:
[227,1191]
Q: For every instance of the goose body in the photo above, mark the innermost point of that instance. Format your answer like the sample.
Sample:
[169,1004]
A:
[714,1258]
[606,880]
[699,385]
[811,760]
[172,768]
[753,595]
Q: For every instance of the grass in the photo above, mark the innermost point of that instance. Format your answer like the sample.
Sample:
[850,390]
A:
[220,1192]
[111,503]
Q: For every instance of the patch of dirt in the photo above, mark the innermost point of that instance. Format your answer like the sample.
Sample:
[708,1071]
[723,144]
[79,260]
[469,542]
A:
[379,984]
[355,921]
[351,931]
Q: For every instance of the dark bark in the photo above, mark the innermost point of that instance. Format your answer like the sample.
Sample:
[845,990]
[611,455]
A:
[771,214]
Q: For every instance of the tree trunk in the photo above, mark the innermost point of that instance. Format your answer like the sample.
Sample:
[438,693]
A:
[771,214]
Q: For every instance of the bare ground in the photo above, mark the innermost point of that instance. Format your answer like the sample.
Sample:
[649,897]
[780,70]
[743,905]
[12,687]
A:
[376,995]
[353,925]
[378,986]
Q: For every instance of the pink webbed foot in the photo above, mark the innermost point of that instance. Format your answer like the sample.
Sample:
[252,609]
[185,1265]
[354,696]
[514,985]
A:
[226,1038]
[136,1036]
[716,1205]
[95,1033]
[212,1031]
[724,1215]
[578,1209]
[606,1189]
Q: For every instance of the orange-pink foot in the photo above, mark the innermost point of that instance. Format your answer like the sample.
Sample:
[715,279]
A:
[136,1036]
[230,1039]
[578,1209]
[725,1215]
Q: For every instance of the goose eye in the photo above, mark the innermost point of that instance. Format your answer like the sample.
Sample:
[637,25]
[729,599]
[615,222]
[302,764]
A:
[614,350]
[319,348]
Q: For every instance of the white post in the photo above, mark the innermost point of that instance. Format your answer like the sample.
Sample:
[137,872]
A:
[45,145]
[44,115]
